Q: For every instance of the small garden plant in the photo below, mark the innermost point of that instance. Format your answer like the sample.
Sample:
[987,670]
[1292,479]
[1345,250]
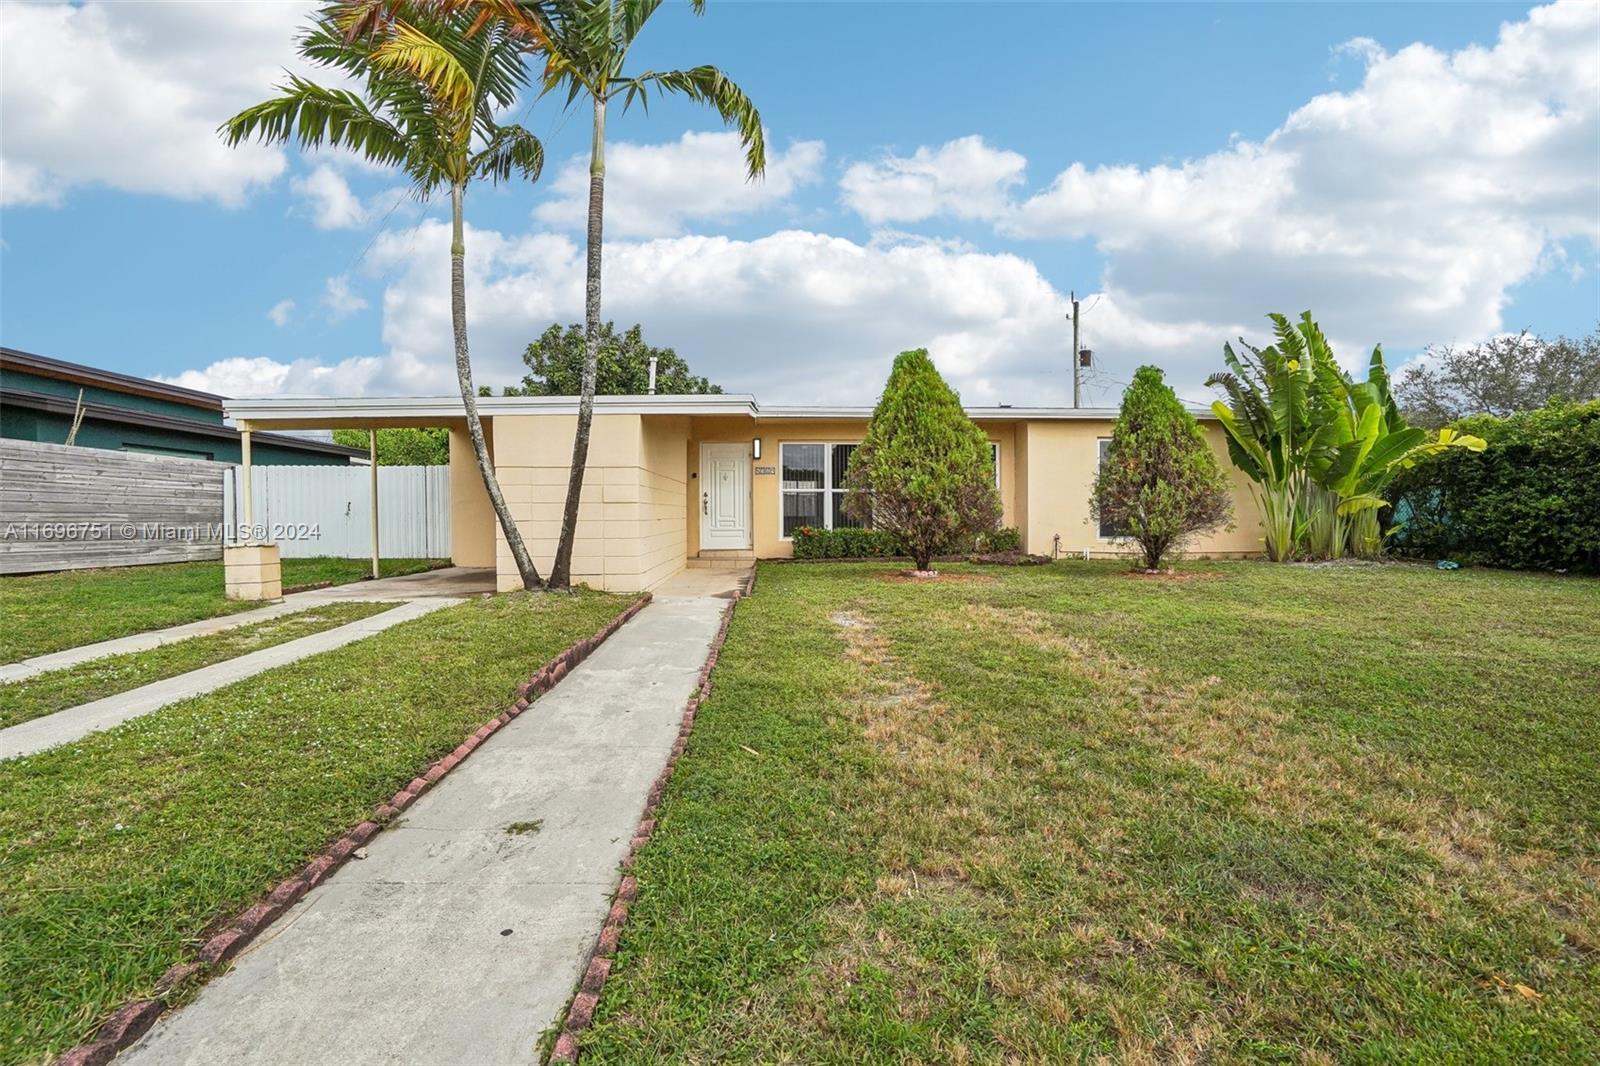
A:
[1159,482]
[924,473]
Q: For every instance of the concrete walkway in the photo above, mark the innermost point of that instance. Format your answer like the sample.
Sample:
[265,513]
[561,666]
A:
[75,722]
[455,581]
[458,940]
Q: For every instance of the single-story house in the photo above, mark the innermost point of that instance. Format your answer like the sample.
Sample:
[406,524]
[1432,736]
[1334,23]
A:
[674,481]
[39,399]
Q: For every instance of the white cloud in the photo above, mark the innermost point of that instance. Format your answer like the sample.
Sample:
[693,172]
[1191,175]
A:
[328,198]
[1404,210]
[279,313]
[794,316]
[129,95]
[656,190]
[340,301]
[260,376]
[964,178]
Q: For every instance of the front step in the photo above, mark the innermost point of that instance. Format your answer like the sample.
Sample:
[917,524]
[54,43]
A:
[722,560]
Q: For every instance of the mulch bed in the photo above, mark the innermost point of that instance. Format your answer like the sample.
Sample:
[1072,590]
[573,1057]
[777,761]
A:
[1006,559]
[912,577]
[1171,575]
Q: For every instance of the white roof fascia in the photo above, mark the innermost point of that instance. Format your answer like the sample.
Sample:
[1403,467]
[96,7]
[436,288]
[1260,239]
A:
[731,404]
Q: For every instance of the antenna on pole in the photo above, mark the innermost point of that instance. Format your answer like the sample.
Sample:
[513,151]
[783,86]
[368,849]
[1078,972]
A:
[1077,373]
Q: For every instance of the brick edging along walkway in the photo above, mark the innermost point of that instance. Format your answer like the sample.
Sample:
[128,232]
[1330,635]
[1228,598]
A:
[131,1022]
[581,1012]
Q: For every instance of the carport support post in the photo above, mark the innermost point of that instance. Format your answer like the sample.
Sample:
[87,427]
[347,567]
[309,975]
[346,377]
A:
[372,456]
[251,568]
[244,488]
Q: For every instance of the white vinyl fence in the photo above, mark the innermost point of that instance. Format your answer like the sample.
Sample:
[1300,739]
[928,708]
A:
[326,510]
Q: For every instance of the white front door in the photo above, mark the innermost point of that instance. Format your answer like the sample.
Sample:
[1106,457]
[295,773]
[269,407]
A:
[724,496]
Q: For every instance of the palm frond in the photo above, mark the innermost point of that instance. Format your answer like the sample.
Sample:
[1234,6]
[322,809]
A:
[427,59]
[511,150]
[312,116]
[708,85]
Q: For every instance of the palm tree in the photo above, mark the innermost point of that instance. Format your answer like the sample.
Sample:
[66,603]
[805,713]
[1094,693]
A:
[586,43]
[433,80]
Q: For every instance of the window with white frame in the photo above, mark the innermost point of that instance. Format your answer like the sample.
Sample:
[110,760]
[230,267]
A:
[813,486]
[1109,530]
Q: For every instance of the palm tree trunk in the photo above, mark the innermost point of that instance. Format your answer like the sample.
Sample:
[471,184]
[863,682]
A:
[561,569]
[469,397]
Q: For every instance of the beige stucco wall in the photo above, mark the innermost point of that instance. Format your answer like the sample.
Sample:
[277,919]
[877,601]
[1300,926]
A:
[663,480]
[1058,464]
[472,521]
[639,516]
[627,537]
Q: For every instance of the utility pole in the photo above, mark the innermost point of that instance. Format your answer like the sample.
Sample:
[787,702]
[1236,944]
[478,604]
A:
[1077,373]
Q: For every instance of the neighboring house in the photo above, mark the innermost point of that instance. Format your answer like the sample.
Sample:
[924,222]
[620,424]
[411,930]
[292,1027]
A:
[678,478]
[39,397]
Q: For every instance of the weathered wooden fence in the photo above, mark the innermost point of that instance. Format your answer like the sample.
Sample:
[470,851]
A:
[67,508]
[326,510]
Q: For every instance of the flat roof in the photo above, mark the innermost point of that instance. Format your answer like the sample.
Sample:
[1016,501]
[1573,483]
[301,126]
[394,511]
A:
[319,411]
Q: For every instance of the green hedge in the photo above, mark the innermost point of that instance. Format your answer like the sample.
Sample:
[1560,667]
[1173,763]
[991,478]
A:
[1531,500]
[813,543]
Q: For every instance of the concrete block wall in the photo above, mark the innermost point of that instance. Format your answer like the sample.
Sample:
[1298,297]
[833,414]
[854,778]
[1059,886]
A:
[627,538]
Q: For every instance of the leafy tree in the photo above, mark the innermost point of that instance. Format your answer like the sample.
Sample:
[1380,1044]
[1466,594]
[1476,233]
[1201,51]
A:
[585,44]
[402,447]
[1500,377]
[556,361]
[1159,480]
[434,77]
[924,472]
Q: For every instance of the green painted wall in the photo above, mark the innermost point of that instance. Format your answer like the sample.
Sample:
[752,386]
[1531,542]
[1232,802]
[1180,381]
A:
[22,380]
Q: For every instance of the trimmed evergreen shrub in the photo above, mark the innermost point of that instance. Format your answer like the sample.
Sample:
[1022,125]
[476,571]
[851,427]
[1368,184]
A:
[1159,480]
[1530,500]
[924,471]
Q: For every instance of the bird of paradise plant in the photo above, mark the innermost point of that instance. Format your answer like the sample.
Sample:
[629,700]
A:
[1365,443]
[1320,446]
[1270,427]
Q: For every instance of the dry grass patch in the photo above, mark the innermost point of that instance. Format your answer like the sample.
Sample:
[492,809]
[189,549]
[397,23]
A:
[1062,816]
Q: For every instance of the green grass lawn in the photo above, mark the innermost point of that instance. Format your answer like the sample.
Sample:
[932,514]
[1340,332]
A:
[118,850]
[21,701]
[43,613]
[1306,814]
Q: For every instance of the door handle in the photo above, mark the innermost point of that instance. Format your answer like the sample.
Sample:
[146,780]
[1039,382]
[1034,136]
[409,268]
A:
[705,503]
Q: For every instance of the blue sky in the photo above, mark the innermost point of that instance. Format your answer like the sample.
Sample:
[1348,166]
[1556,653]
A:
[943,175]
